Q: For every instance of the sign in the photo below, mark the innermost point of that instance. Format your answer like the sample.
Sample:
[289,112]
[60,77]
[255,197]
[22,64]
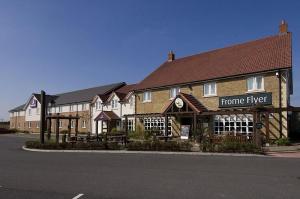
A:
[179,103]
[245,100]
[258,125]
[184,133]
[33,103]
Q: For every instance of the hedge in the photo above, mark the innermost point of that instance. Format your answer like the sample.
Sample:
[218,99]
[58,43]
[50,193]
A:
[159,146]
[73,146]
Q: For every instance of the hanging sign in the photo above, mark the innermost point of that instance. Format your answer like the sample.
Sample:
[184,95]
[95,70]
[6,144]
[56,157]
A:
[179,103]
[33,103]
[245,100]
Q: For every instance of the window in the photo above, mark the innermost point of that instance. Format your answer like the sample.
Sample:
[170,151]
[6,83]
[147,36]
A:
[59,109]
[210,89]
[157,124]
[130,125]
[242,124]
[37,125]
[60,124]
[131,101]
[147,96]
[255,83]
[114,104]
[29,124]
[98,105]
[83,124]
[174,92]
[83,107]
[29,112]
[72,124]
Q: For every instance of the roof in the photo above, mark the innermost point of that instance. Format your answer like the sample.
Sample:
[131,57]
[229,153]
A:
[85,95]
[270,53]
[124,90]
[190,100]
[107,116]
[18,108]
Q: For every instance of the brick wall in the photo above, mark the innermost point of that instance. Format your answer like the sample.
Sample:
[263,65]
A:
[228,87]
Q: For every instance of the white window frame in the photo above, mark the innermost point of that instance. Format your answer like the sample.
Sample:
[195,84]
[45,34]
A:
[83,124]
[174,92]
[131,101]
[83,107]
[60,109]
[72,124]
[114,104]
[242,124]
[29,125]
[157,124]
[60,124]
[147,96]
[209,94]
[254,84]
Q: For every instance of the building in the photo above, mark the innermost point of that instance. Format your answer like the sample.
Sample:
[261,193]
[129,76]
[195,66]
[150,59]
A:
[214,91]
[183,94]
[27,116]
[108,110]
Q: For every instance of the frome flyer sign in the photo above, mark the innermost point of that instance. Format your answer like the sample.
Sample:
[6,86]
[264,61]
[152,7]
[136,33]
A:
[245,100]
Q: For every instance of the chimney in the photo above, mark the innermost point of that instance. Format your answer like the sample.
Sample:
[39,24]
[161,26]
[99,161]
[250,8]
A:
[171,56]
[283,27]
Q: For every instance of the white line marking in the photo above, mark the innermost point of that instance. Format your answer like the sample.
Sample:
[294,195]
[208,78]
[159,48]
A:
[78,196]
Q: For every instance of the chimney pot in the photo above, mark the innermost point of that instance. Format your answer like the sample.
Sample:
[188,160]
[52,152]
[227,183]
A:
[171,56]
[283,27]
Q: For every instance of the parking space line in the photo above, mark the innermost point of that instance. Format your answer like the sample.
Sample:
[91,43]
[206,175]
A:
[78,196]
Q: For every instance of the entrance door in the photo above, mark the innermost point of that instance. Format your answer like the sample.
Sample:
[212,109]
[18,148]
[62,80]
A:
[186,123]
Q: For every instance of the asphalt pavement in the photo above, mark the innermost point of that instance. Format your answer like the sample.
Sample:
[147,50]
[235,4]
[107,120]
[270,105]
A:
[36,175]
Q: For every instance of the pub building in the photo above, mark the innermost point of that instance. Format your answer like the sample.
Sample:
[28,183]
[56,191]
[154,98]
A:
[237,89]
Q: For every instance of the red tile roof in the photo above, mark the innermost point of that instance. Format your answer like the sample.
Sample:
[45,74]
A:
[190,100]
[107,116]
[123,91]
[265,54]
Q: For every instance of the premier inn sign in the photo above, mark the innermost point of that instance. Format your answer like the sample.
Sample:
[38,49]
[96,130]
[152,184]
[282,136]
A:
[245,100]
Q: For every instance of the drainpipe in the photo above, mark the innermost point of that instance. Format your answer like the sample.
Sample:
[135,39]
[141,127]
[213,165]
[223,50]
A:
[280,103]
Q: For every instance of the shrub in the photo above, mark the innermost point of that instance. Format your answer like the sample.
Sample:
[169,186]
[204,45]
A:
[7,131]
[159,146]
[73,146]
[282,142]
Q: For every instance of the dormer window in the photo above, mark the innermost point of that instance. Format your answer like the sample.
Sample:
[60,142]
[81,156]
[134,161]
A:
[255,84]
[174,92]
[114,104]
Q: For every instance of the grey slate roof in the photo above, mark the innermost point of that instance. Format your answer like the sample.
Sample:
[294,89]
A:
[18,108]
[84,95]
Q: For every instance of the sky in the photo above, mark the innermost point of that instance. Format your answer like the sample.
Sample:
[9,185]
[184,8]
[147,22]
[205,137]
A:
[65,45]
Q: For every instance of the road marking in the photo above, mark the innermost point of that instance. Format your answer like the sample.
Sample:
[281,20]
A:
[78,196]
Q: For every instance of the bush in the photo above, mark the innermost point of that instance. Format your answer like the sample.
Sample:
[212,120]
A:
[159,146]
[228,146]
[7,131]
[282,142]
[73,146]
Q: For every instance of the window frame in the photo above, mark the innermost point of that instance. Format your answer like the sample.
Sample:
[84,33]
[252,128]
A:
[177,91]
[83,124]
[254,84]
[210,94]
[149,96]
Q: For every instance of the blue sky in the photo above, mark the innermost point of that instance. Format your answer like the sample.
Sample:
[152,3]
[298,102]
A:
[64,45]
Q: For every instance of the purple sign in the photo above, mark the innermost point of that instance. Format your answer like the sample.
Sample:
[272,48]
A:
[33,103]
